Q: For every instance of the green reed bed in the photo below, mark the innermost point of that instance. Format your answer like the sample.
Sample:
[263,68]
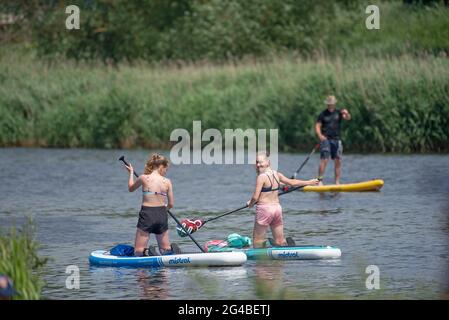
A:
[19,260]
[398,104]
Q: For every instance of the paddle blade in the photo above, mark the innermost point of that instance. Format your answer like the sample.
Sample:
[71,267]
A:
[190,226]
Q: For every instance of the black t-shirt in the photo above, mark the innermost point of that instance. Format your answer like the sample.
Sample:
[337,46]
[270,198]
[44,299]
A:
[330,123]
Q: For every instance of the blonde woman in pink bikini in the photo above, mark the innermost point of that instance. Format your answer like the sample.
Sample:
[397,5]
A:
[268,208]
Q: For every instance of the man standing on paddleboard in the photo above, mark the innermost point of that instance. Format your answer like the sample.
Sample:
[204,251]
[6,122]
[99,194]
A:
[327,128]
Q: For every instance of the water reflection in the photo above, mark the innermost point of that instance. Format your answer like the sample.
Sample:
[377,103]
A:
[269,280]
[146,284]
[329,195]
[153,284]
[167,283]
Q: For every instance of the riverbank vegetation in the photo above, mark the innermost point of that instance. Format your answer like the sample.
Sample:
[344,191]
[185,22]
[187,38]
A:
[398,104]
[231,64]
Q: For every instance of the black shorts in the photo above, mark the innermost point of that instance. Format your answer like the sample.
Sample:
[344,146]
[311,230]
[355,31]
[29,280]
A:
[332,148]
[153,219]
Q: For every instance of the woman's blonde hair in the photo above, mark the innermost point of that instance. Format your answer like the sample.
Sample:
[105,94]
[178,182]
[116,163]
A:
[264,153]
[154,162]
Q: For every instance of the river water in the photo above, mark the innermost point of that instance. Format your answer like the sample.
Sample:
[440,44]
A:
[79,202]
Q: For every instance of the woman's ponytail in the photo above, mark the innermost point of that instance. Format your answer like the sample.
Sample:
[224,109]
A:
[154,162]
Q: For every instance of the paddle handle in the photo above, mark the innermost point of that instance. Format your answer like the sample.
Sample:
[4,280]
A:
[122,158]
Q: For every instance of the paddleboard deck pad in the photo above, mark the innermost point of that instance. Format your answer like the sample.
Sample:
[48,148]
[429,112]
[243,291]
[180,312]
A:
[208,259]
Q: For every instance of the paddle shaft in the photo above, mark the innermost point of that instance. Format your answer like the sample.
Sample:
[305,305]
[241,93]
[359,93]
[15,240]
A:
[293,189]
[305,161]
[171,214]
[225,214]
[244,207]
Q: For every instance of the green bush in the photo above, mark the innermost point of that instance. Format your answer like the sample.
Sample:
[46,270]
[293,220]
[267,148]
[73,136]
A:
[219,31]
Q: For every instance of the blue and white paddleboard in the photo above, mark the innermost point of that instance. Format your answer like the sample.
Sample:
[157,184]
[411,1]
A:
[208,259]
[286,253]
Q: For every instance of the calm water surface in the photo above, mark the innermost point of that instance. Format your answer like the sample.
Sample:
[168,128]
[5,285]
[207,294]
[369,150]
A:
[79,201]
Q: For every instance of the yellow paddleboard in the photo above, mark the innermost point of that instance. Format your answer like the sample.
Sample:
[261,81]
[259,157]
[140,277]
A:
[372,185]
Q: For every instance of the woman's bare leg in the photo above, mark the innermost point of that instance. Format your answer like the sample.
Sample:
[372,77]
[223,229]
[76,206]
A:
[141,242]
[259,233]
[163,242]
[278,235]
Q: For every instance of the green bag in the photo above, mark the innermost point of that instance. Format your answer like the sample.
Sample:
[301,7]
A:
[237,241]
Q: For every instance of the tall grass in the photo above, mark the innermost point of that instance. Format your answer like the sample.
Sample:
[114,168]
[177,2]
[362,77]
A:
[19,260]
[398,104]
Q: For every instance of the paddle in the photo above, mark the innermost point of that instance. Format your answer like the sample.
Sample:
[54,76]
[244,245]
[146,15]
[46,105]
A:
[122,158]
[305,161]
[193,226]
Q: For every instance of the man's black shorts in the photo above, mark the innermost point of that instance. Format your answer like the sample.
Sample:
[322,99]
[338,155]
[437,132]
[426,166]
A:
[332,148]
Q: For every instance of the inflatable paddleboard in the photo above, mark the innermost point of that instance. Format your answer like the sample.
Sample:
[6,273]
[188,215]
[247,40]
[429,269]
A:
[372,185]
[208,259]
[285,253]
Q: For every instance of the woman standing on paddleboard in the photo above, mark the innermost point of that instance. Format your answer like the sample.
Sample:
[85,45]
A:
[153,216]
[268,208]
